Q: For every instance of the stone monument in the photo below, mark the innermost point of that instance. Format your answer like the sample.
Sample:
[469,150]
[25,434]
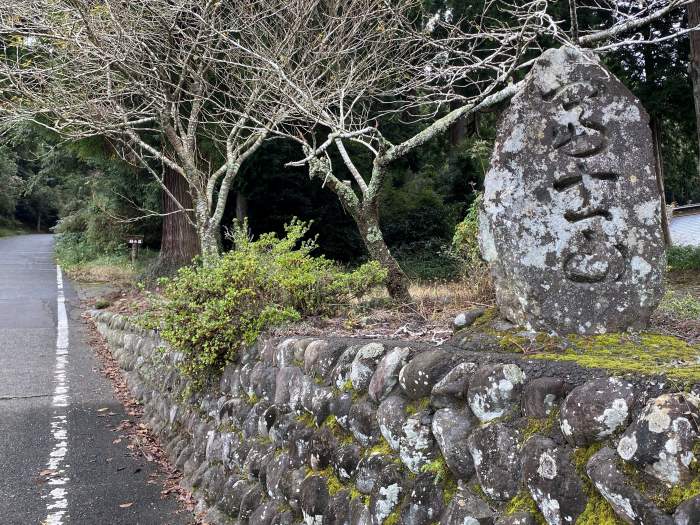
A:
[570,223]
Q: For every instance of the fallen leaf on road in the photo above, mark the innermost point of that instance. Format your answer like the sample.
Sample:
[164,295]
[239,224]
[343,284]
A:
[102,409]
[116,441]
[48,472]
[126,505]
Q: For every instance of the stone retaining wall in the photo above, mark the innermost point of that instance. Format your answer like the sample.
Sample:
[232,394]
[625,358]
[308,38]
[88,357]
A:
[342,431]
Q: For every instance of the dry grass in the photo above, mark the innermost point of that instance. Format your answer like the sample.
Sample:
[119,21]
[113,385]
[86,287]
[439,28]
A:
[103,273]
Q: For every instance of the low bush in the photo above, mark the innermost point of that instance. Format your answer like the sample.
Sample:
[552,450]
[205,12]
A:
[681,306]
[465,243]
[683,258]
[212,311]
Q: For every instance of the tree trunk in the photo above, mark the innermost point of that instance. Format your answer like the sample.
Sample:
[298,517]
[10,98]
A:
[397,283]
[694,66]
[208,232]
[179,242]
[656,134]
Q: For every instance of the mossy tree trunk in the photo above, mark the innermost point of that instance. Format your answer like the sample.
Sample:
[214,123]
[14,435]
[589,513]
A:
[397,283]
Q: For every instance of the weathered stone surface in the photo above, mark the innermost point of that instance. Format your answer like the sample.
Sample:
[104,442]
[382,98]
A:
[466,319]
[495,390]
[419,376]
[391,415]
[451,428]
[338,511]
[595,410]
[275,471]
[363,365]
[250,501]
[340,375]
[571,217]
[368,472]
[552,481]
[451,390]
[662,438]
[267,514]
[233,493]
[386,375]
[362,422]
[313,353]
[284,353]
[519,518]
[417,445]
[424,504]
[286,377]
[467,508]
[263,382]
[628,503]
[300,445]
[688,512]
[542,395]
[314,499]
[359,514]
[346,460]
[323,447]
[495,450]
[387,493]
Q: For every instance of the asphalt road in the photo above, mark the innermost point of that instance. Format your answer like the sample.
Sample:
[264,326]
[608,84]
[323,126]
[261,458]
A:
[59,464]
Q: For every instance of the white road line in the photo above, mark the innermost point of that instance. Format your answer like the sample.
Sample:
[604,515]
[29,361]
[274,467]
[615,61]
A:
[57,498]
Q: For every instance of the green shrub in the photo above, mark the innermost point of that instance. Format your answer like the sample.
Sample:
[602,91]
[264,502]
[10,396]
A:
[465,243]
[213,311]
[683,258]
[681,306]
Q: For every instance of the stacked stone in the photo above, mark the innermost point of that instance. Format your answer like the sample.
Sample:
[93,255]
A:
[325,431]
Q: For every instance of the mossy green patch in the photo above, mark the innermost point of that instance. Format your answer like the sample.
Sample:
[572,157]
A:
[344,437]
[381,448]
[332,481]
[523,502]
[417,406]
[644,354]
[393,518]
[678,494]
[307,419]
[543,426]
[598,511]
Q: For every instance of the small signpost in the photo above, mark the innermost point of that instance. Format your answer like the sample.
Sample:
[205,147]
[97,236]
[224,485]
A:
[135,241]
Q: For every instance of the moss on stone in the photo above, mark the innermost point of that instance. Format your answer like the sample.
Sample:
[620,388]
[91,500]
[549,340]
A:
[344,437]
[417,406]
[673,497]
[543,426]
[393,518]
[598,511]
[644,354]
[382,448]
[253,399]
[307,419]
[449,489]
[523,502]
[438,467]
[332,482]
